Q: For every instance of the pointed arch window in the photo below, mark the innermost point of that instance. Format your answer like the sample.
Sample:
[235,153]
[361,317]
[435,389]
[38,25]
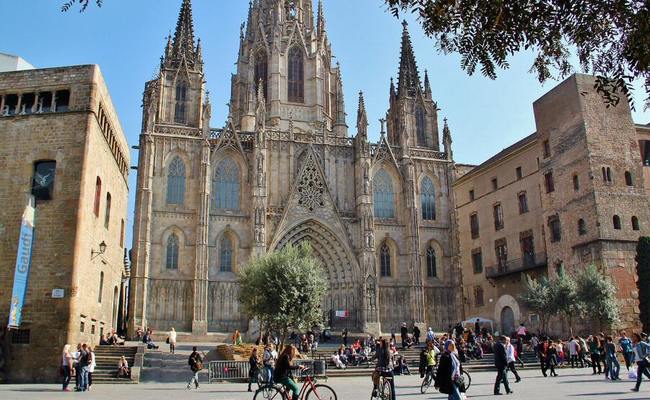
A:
[226,186]
[171,261]
[225,255]
[98,195]
[176,181]
[383,196]
[296,76]
[420,126]
[428,200]
[181,100]
[107,212]
[384,260]
[261,70]
[431,263]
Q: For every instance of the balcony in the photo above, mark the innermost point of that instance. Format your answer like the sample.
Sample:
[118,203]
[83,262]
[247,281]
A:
[526,263]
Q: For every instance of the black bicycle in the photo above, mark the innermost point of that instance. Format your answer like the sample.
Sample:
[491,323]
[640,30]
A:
[384,389]
[429,378]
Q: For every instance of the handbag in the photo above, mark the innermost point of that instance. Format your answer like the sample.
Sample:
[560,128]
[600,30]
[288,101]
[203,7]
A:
[167,341]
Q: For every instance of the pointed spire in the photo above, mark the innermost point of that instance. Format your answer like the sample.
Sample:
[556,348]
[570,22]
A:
[446,140]
[392,93]
[183,45]
[199,52]
[362,117]
[340,102]
[168,49]
[320,20]
[408,81]
[427,85]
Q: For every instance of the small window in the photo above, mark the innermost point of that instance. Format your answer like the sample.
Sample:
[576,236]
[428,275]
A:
[171,261]
[98,195]
[523,203]
[107,213]
[518,173]
[471,195]
[498,217]
[225,255]
[385,261]
[474,225]
[628,178]
[576,183]
[609,175]
[11,105]
[527,244]
[44,102]
[61,100]
[181,99]
[548,182]
[477,261]
[617,222]
[501,252]
[122,233]
[432,271]
[43,180]
[27,103]
[101,287]
[555,228]
[20,336]
[582,227]
[478,296]
[82,325]
[92,328]
[635,223]
[495,184]
[547,149]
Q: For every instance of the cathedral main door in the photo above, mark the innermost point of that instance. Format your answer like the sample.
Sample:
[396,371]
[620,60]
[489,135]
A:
[341,304]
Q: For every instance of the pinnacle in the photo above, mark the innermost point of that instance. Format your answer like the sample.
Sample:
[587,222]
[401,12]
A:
[183,44]
[408,81]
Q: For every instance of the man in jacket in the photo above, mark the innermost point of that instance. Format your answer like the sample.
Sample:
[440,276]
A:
[501,364]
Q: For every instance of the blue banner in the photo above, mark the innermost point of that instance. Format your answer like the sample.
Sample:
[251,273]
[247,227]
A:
[23,262]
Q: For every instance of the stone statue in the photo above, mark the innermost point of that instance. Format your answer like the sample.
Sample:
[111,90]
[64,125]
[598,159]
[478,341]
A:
[370,240]
[260,169]
[366,180]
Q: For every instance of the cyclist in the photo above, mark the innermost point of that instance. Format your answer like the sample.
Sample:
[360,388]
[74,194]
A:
[283,368]
[432,353]
[383,368]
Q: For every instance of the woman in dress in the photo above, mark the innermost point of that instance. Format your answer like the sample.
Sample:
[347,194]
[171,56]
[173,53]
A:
[66,366]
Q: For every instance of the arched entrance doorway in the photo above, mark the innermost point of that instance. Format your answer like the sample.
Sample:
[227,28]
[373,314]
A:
[342,302]
[507,321]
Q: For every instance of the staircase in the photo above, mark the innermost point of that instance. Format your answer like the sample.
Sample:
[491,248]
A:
[107,360]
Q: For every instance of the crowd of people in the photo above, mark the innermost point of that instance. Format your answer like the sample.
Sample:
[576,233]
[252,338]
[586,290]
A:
[80,364]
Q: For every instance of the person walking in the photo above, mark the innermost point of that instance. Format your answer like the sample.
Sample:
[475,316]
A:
[344,336]
[196,364]
[501,364]
[76,369]
[541,356]
[284,367]
[91,366]
[171,338]
[582,352]
[626,349]
[253,368]
[613,365]
[84,365]
[416,335]
[594,350]
[574,348]
[551,357]
[511,355]
[641,357]
[430,335]
[448,374]
[66,367]
[268,361]
[404,334]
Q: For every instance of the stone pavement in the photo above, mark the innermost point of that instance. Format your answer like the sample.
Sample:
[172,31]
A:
[571,384]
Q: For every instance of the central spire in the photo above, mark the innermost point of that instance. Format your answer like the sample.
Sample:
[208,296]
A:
[408,80]
[183,44]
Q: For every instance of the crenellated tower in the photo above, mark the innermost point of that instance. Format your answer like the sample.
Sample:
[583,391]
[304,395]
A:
[283,48]
[412,115]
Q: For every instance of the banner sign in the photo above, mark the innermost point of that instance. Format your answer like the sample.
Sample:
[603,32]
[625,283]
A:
[342,313]
[23,262]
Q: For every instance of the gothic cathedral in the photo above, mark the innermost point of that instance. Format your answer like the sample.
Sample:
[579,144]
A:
[284,169]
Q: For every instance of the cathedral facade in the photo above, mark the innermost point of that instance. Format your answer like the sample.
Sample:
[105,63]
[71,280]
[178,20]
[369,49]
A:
[283,170]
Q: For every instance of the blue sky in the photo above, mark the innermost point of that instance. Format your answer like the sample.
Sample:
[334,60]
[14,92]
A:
[126,38]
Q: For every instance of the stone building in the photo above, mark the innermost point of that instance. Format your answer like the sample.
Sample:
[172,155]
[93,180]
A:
[285,170]
[63,144]
[573,194]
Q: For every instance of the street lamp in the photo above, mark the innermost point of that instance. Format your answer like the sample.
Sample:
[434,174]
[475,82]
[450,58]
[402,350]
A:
[102,250]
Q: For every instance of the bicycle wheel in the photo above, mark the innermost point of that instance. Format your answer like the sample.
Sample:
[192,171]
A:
[468,380]
[321,392]
[261,379]
[386,390]
[268,393]
[426,382]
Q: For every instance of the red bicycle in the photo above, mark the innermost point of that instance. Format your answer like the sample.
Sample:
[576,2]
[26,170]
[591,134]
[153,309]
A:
[311,390]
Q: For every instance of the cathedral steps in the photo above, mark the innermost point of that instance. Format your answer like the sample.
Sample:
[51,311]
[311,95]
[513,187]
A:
[107,359]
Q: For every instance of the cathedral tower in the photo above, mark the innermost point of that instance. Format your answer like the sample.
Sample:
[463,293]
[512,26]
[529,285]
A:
[412,114]
[282,47]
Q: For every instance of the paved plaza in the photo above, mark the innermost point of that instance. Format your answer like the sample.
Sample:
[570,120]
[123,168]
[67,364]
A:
[571,384]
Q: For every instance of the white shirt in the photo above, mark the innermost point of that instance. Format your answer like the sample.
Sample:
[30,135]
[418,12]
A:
[573,348]
[172,336]
[510,352]
[521,331]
